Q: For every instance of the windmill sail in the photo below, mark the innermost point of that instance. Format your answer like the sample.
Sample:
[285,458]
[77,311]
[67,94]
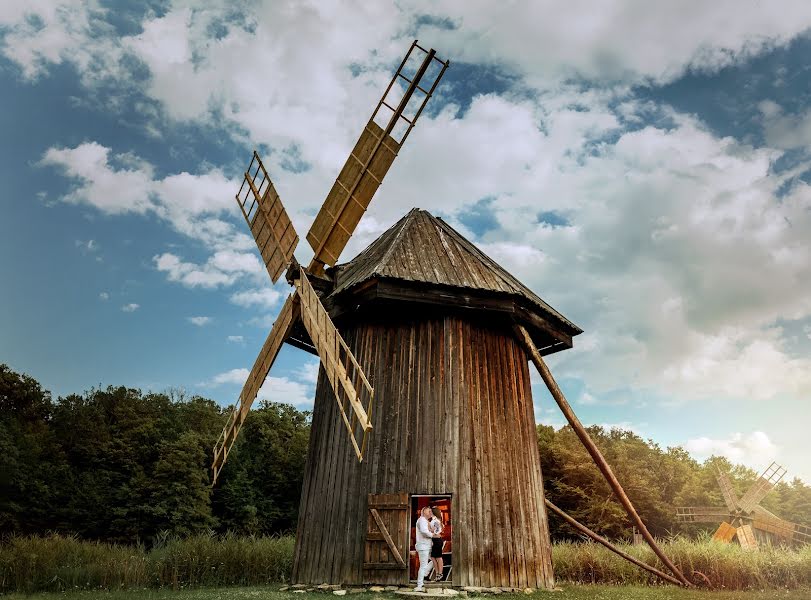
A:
[770,477]
[701,514]
[352,390]
[263,210]
[261,367]
[727,490]
[370,160]
[785,530]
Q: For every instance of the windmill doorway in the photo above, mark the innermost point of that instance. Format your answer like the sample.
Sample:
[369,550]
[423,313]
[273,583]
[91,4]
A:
[443,502]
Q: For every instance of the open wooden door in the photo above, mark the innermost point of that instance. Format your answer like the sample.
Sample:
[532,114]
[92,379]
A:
[385,558]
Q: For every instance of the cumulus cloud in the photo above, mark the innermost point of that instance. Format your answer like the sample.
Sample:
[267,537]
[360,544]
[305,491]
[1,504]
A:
[236,339]
[38,34]
[221,269]
[129,308]
[308,372]
[265,298]
[199,321]
[754,448]
[786,131]
[287,391]
[675,249]
[104,296]
[274,389]
[233,376]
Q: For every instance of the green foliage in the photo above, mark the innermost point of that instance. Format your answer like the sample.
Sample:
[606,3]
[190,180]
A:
[656,480]
[261,483]
[120,465]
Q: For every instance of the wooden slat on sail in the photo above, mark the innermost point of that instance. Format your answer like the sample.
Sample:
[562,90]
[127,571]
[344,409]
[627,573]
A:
[270,350]
[270,225]
[353,392]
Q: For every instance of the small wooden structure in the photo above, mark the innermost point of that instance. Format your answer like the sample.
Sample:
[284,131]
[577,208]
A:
[744,518]
[424,384]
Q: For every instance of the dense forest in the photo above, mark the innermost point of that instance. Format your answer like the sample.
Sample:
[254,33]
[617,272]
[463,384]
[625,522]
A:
[126,466]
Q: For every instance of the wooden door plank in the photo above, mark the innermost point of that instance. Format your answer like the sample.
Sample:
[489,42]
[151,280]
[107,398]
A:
[392,546]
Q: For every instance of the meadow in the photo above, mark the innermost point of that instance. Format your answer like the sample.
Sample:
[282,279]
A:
[58,563]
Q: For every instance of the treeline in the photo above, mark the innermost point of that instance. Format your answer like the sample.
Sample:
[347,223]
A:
[124,466]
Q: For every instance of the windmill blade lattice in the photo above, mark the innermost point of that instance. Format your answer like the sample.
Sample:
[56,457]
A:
[350,386]
[785,530]
[770,478]
[372,157]
[263,211]
[270,350]
[727,489]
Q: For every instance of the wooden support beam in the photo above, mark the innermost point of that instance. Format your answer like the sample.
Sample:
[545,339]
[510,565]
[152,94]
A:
[601,540]
[592,449]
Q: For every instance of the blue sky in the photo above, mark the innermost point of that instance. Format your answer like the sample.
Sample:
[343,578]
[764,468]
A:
[645,169]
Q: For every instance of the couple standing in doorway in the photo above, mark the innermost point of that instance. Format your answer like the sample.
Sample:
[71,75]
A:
[429,545]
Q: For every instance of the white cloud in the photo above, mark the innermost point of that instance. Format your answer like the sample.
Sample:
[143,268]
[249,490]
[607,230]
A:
[628,41]
[87,246]
[40,33]
[676,255]
[191,274]
[236,339]
[754,448]
[132,307]
[111,190]
[222,268]
[288,391]
[234,376]
[104,296]
[308,372]
[199,321]
[265,298]
[786,131]
[274,389]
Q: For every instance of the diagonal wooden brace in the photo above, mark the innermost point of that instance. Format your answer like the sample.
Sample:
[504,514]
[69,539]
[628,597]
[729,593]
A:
[596,455]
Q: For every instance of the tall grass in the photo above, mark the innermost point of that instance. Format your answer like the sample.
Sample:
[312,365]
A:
[726,566]
[58,563]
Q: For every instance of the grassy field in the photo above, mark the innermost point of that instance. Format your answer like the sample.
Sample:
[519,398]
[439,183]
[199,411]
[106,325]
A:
[569,592]
[59,564]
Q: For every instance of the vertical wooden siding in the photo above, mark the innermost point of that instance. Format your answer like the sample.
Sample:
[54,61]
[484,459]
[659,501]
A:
[482,449]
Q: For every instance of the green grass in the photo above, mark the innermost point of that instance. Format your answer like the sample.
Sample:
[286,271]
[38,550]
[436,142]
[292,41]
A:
[58,563]
[570,592]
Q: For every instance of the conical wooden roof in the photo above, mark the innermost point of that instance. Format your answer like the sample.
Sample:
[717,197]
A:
[423,249]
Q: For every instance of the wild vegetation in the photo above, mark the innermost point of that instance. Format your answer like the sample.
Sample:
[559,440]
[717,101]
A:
[110,488]
[59,563]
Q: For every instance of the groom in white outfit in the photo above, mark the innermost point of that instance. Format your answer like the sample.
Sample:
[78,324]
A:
[423,546]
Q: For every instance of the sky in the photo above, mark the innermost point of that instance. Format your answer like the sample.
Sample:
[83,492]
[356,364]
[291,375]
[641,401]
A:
[644,167]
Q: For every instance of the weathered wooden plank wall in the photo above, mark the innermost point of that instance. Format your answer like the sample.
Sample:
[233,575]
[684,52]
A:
[482,449]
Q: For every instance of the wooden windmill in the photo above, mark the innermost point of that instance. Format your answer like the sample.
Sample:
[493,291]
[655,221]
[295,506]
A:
[744,516]
[438,336]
